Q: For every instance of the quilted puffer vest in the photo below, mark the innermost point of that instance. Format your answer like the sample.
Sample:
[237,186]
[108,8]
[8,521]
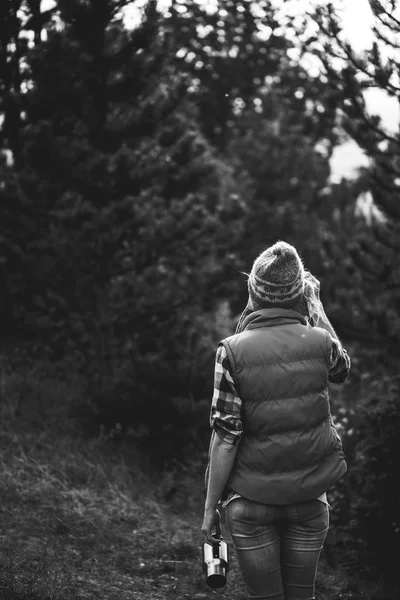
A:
[290,450]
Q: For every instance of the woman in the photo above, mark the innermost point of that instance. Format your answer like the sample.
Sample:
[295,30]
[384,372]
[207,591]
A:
[274,450]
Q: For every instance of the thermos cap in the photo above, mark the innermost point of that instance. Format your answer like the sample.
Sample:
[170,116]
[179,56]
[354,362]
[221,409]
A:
[216,577]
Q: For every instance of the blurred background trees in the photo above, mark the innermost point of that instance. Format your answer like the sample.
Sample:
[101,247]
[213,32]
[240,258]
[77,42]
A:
[375,255]
[143,169]
[123,202]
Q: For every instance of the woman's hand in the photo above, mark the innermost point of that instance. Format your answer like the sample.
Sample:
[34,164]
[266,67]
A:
[222,458]
[208,524]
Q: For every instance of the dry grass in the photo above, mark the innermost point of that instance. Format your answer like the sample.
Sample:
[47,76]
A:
[80,522]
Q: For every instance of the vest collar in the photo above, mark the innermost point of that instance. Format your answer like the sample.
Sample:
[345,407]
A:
[270,317]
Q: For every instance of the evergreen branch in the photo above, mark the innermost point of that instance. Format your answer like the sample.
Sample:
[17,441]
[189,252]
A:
[383,201]
[378,15]
[378,33]
[389,169]
[383,183]
[386,236]
[383,134]
[169,247]
[374,4]
[364,259]
[393,287]
[347,329]
[363,69]
[349,54]
[385,154]
[166,312]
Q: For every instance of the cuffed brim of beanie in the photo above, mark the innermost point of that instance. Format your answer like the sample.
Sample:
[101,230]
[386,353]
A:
[259,305]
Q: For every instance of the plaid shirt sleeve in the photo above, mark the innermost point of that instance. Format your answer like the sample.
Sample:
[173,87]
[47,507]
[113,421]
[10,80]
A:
[340,363]
[225,414]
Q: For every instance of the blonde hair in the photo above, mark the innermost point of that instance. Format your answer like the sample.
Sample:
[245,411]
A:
[311,296]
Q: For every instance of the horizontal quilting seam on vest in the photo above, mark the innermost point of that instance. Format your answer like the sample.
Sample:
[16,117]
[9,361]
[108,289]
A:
[322,392]
[307,467]
[283,360]
[289,430]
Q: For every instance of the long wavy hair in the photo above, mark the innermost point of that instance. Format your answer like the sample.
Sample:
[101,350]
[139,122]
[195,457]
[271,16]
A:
[311,295]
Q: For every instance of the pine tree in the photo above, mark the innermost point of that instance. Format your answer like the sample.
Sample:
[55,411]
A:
[264,110]
[129,208]
[376,253]
[227,52]
[19,214]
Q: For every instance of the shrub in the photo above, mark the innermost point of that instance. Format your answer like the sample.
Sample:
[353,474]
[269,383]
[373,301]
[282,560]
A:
[365,504]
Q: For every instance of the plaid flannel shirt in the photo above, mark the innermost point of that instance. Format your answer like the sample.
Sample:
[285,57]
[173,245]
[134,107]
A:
[225,414]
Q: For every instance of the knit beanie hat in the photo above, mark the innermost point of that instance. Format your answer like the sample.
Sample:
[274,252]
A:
[276,278]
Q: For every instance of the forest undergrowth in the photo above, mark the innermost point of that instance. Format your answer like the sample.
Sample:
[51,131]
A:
[79,521]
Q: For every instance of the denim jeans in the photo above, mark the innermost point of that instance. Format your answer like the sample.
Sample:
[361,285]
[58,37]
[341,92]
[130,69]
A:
[278,546]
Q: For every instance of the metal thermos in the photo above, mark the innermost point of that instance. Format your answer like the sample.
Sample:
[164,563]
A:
[215,558]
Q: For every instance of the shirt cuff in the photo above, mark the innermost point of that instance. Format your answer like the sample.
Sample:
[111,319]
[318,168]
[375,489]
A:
[229,436]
